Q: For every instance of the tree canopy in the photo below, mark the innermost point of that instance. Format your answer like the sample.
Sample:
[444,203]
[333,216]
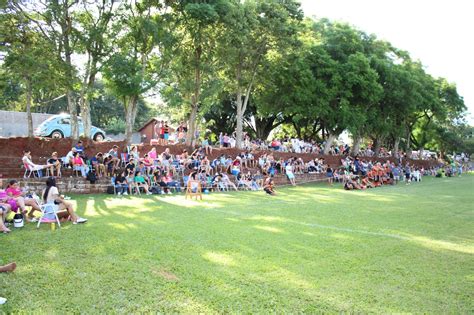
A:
[231,66]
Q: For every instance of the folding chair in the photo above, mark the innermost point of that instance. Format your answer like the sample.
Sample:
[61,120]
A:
[29,171]
[193,188]
[49,214]
[124,159]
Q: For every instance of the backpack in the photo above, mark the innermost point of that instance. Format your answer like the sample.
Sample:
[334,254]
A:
[110,190]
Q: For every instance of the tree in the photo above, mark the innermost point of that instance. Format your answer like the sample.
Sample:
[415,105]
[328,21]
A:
[140,55]
[94,37]
[54,21]
[253,28]
[27,57]
[197,28]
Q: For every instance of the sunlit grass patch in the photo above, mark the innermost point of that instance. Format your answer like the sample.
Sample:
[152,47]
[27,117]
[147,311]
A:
[312,248]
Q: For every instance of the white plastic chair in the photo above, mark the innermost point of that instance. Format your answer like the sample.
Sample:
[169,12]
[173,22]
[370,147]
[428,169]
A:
[49,210]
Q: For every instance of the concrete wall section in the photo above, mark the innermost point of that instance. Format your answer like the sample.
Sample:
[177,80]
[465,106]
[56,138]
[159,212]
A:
[15,124]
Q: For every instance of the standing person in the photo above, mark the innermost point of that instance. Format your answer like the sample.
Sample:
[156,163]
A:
[221,140]
[330,175]
[161,129]
[226,141]
[407,174]
[51,195]
[166,133]
[289,172]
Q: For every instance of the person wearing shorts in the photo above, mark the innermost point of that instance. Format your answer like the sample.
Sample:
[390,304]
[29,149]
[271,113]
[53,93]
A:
[290,174]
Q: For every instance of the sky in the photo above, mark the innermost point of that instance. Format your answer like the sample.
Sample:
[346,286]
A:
[439,33]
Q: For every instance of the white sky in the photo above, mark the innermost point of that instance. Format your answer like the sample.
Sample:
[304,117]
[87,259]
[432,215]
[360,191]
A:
[437,32]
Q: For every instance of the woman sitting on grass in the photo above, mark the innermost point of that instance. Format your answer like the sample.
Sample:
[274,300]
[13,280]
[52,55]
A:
[268,186]
[51,195]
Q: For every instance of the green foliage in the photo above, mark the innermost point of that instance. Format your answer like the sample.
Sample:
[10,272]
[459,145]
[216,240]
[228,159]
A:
[314,78]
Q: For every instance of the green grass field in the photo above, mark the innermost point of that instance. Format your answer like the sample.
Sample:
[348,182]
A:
[311,248]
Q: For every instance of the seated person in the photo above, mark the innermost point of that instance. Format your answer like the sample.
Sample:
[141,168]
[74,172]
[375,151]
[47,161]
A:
[227,182]
[32,166]
[159,180]
[268,186]
[131,183]
[114,158]
[97,163]
[21,201]
[130,167]
[51,195]
[4,210]
[55,164]
[148,163]
[367,183]
[121,185]
[207,146]
[142,168]
[142,182]
[168,179]
[79,165]
[69,157]
[80,149]
[109,164]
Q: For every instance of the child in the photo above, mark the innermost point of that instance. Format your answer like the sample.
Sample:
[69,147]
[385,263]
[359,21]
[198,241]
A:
[268,186]
[141,182]
[121,185]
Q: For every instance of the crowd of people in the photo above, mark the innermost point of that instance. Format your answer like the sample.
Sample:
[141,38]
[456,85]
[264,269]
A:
[153,172]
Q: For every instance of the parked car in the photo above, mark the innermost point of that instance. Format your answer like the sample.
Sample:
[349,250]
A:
[59,126]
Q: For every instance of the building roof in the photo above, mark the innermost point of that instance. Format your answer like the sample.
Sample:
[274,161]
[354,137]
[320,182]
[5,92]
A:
[152,120]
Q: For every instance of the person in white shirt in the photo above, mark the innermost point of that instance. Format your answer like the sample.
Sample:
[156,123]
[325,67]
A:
[32,166]
[51,195]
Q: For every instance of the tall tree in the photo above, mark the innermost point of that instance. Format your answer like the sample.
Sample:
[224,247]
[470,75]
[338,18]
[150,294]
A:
[27,56]
[197,28]
[140,55]
[253,28]
[94,39]
[53,19]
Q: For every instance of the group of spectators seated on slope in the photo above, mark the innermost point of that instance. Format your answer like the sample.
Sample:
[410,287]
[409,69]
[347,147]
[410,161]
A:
[164,172]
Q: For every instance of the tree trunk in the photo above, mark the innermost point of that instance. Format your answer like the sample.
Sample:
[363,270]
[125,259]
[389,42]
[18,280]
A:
[377,146]
[192,126]
[408,143]
[66,28]
[239,120]
[87,86]
[130,115]
[329,141]
[356,145]
[395,147]
[29,116]
[263,127]
[195,98]
[73,113]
